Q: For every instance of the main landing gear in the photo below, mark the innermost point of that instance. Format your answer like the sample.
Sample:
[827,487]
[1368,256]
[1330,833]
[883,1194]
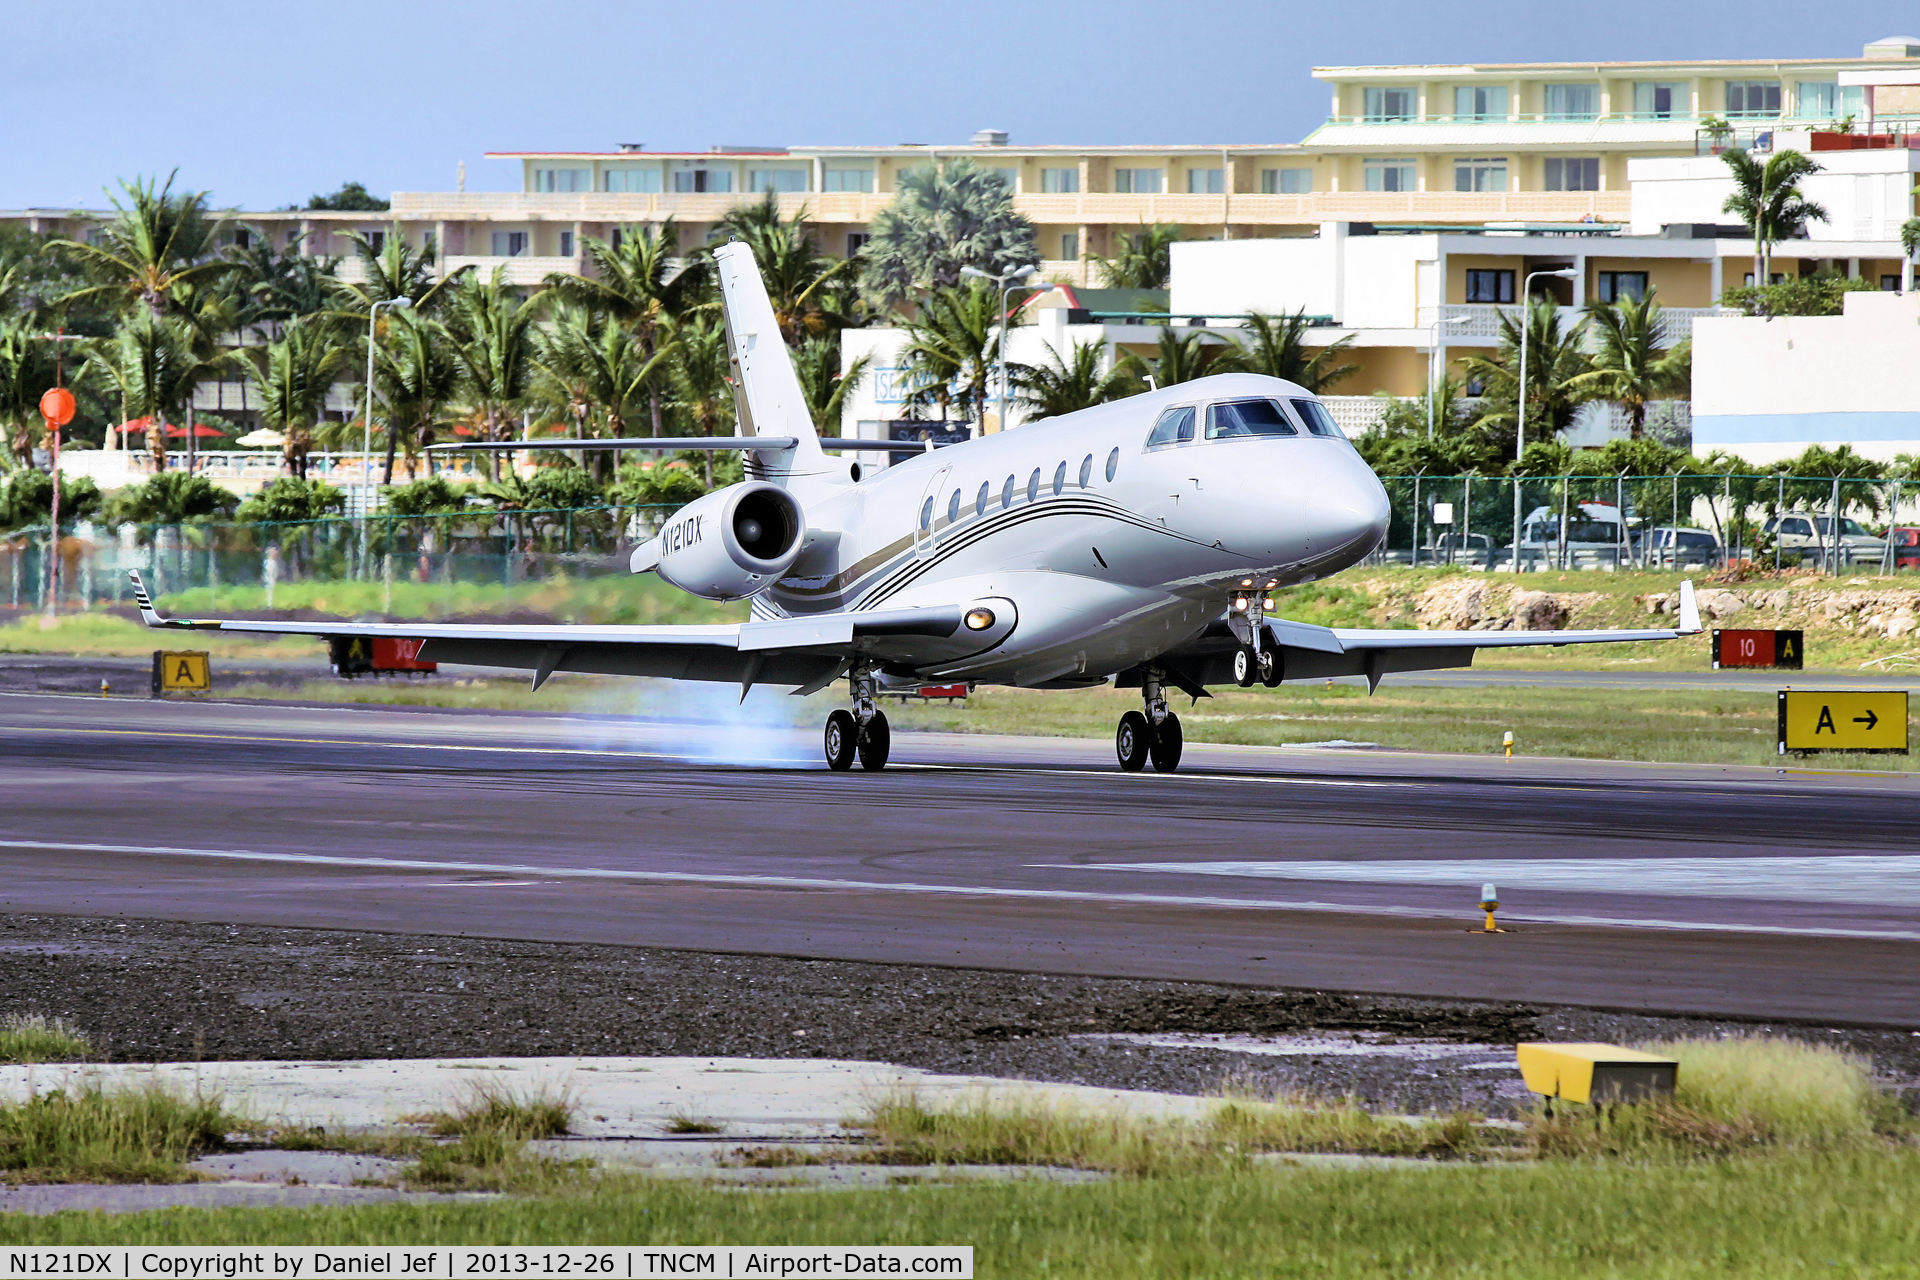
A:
[861,732]
[1153,735]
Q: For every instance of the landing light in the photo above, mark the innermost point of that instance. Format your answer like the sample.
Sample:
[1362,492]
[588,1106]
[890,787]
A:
[979,619]
[1239,604]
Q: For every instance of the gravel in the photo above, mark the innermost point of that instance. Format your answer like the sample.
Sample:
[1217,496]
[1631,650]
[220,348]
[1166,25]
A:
[146,990]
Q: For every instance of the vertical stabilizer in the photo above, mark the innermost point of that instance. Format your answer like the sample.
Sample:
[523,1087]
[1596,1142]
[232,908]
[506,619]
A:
[766,390]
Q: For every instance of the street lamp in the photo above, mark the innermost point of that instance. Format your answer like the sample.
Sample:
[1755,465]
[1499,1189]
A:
[366,423]
[1010,283]
[1520,409]
[1433,355]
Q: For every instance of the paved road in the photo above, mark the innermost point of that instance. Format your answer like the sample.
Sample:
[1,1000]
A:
[1722,890]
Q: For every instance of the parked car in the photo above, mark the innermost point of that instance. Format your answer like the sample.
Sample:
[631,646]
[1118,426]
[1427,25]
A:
[1677,547]
[1906,546]
[1811,537]
[1475,549]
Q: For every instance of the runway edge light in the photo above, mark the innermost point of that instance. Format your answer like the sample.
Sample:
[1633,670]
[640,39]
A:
[1489,903]
[1595,1074]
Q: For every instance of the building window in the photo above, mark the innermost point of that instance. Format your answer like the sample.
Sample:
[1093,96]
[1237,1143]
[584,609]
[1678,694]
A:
[1572,173]
[698,180]
[1825,100]
[1060,182]
[759,180]
[1389,175]
[1389,104]
[1489,285]
[1140,182]
[1479,102]
[1009,178]
[430,240]
[563,179]
[1286,182]
[1206,182]
[1889,284]
[376,240]
[1486,174]
[1617,285]
[636,181]
[509,244]
[566,244]
[242,238]
[1660,101]
[1573,101]
[856,241]
[847,180]
[1070,246]
[1753,97]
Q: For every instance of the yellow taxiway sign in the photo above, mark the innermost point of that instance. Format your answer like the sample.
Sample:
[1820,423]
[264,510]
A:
[181,672]
[1843,720]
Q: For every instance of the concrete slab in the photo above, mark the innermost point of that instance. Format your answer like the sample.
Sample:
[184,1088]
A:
[312,1168]
[81,1197]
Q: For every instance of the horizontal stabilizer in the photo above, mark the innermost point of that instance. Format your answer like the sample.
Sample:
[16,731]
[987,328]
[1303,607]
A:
[659,444]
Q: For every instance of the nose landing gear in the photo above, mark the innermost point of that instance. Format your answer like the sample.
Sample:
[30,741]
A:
[862,732]
[1255,659]
[1150,735]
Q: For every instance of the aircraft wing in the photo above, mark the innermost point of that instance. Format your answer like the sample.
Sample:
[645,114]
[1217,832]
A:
[1310,653]
[807,653]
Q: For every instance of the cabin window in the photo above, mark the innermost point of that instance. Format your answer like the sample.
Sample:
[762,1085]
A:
[1248,418]
[1033,485]
[953,507]
[1319,421]
[1059,479]
[1175,427]
[1086,471]
[926,515]
[1113,465]
[980,499]
[1006,494]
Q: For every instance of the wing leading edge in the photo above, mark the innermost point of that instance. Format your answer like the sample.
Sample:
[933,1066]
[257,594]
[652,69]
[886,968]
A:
[806,653]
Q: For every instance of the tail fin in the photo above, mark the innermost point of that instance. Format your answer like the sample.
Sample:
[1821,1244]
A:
[766,390]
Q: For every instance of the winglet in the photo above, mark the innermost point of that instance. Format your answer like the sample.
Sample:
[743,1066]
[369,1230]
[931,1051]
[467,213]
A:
[1689,610]
[148,614]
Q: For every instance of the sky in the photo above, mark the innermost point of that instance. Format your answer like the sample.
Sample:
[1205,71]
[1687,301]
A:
[262,103]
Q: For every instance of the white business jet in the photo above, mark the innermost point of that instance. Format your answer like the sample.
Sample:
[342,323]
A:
[1134,542]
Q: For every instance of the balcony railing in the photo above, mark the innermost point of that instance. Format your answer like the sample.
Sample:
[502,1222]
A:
[1479,322]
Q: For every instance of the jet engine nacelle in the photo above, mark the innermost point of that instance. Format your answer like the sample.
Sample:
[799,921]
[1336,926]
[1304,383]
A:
[731,543]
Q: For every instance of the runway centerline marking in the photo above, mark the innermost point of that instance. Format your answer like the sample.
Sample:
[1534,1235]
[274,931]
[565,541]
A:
[1862,879]
[735,880]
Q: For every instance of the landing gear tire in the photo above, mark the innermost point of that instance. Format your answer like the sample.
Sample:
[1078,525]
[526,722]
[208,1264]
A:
[842,734]
[1246,666]
[875,739]
[1132,742]
[1270,672]
[1167,742]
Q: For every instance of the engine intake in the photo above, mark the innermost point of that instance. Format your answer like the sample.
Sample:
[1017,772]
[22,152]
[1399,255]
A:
[731,543]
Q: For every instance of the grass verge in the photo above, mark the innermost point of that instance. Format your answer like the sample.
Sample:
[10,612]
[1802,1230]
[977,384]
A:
[33,1037]
[491,1125]
[88,1133]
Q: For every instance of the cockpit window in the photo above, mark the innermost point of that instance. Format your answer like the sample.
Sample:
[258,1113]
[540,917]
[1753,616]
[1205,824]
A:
[1318,420]
[1248,418]
[1175,427]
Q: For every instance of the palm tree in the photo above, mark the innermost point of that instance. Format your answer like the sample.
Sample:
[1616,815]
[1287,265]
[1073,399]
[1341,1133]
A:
[419,375]
[798,276]
[642,281]
[591,370]
[493,342]
[949,357]
[824,384]
[279,285]
[293,375]
[1555,358]
[395,270]
[701,370]
[26,371]
[154,243]
[1767,198]
[1146,259]
[151,362]
[1909,250]
[942,218]
[1179,358]
[1277,347]
[1629,364]
[1075,381]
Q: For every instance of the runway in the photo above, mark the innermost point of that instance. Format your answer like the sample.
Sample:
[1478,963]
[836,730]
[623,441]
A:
[1750,892]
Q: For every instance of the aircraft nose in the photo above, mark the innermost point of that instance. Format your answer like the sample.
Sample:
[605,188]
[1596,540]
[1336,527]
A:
[1360,502]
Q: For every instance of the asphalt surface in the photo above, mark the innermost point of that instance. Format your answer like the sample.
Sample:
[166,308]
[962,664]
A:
[1717,891]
